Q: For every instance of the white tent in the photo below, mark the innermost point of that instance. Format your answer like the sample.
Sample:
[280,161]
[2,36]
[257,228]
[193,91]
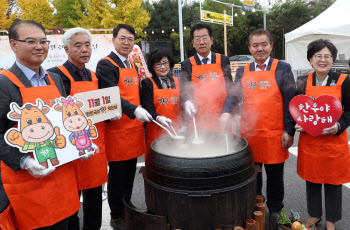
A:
[332,24]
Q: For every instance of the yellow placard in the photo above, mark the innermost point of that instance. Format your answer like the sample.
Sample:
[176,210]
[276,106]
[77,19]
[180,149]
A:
[216,17]
[248,2]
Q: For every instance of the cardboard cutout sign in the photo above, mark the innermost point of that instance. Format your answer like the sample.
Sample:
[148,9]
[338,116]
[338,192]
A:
[101,104]
[54,136]
[314,115]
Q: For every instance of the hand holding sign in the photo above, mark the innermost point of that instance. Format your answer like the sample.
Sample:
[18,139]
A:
[315,115]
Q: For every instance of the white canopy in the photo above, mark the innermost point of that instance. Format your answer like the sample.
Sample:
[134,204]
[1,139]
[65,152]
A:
[332,24]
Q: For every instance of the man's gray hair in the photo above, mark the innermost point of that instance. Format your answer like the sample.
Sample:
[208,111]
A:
[71,33]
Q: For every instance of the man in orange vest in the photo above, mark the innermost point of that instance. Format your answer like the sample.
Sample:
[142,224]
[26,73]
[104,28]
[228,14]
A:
[124,138]
[206,82]
[40,197]
[91,170]
[267,86]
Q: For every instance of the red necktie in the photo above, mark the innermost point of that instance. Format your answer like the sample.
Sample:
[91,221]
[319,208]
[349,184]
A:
[262,67]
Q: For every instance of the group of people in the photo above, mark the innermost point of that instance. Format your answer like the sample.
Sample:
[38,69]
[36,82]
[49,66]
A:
[34,197]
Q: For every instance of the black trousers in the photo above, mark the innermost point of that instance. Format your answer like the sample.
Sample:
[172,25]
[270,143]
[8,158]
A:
[274,185]
[120,183]
[61,225]
[333,200]
[92,210]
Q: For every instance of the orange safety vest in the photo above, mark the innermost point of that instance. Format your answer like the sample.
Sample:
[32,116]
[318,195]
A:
[125,137]
[7,220]
[167,103]
[40,202]
[262,115]
[93,172]
[209,91]
[325,158]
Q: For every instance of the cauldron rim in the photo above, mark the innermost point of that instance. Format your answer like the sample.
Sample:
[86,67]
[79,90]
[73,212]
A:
[242,139]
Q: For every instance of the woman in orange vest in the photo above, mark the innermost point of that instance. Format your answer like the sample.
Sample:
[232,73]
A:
[325,160]
[161,95]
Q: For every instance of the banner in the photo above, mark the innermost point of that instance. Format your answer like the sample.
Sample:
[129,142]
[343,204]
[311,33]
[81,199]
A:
[101,45]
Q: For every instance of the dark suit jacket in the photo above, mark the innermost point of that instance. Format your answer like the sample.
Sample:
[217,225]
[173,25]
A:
[286,84]
[65,79]
[186,91]
[344,120]
[9,92]
[147,99]
[108,76]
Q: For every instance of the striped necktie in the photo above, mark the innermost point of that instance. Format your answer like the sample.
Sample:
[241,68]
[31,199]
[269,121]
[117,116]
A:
[127,63]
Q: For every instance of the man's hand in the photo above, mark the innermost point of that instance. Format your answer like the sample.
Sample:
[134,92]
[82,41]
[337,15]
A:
[189,108]
[37,170]
[142,115]
[287,140]
[117,116]
[224,120]
[164,121]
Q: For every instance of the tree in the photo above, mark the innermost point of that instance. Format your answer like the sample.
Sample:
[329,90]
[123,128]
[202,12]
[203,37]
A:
[107,14]
[6,16]
[65,12]
[238,33]
[37,10]
[287,16]
[164,17]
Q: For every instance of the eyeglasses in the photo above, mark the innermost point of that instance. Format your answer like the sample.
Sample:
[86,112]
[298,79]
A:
[123,39]
[326,57]
[33,42]
[159,65]
[204,39]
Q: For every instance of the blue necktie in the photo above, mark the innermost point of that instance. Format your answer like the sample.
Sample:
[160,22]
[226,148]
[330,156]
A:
[82,75]
[205,60]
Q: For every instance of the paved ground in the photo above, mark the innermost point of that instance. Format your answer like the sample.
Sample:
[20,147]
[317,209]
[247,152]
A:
[294,194]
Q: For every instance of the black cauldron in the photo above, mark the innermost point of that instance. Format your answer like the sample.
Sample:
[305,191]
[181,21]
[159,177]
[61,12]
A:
[201,186]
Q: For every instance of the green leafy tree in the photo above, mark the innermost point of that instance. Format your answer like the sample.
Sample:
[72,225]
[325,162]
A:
[288,16]
[65,12]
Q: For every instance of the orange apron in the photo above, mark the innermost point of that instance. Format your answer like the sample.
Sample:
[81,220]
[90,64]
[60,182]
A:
[7,220]
[39,202]
[93,172]
[167,103]
[262,115]
[125,137]
[325,158]
[209,91]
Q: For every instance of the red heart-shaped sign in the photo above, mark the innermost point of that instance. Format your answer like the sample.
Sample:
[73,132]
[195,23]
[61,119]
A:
[314,115]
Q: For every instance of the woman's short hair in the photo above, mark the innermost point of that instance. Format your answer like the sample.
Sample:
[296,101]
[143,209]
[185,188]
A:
[156,56]
[317,45]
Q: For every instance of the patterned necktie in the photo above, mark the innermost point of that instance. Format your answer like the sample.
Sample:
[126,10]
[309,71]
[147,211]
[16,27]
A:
[165,83]
[262,67]
[82,75]
[127,63]
[205,60]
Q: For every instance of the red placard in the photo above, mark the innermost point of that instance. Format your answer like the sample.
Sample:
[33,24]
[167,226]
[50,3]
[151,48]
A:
[314,115]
